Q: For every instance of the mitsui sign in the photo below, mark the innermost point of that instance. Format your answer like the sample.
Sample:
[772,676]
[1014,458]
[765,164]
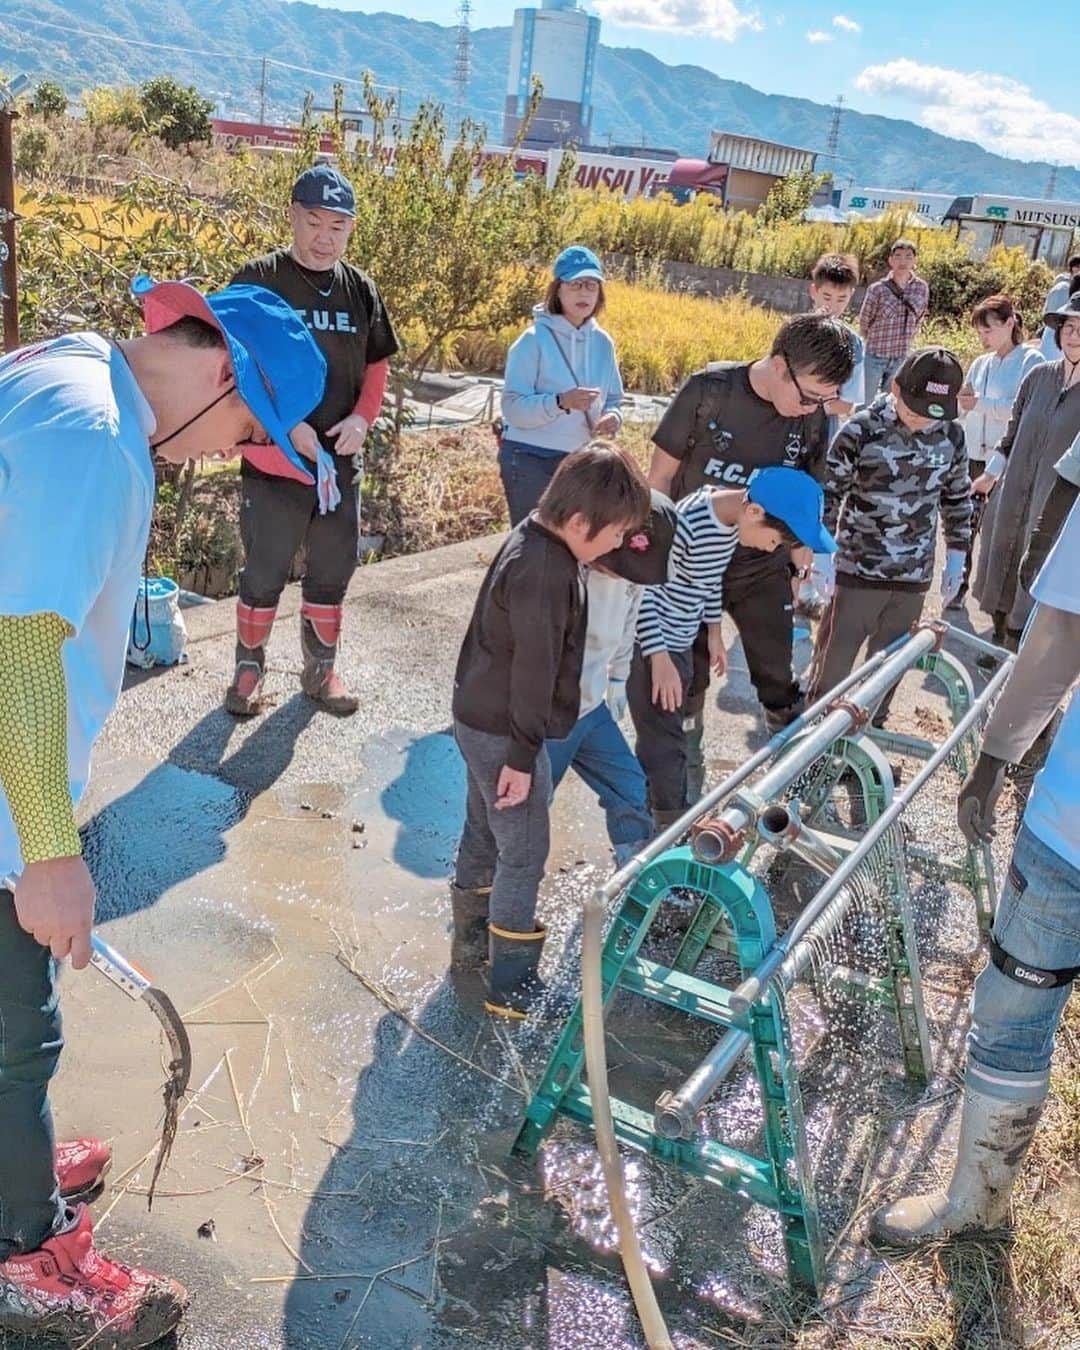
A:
[1020,211]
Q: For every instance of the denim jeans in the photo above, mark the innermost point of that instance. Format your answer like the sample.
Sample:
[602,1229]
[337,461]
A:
[879,372]
[525,474]
[30,1044]
[598,751]
[1012,1024]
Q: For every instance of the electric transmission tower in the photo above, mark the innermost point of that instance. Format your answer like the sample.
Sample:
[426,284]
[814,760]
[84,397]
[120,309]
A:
[463,59]
[832,147]
[1051,182]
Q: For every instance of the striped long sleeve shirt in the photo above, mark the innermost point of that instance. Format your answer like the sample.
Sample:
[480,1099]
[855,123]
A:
[672,614]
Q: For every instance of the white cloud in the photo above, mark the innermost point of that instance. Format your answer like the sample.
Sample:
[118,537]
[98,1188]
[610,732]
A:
[842,21]
[816,35]
[716,18]
[995,111]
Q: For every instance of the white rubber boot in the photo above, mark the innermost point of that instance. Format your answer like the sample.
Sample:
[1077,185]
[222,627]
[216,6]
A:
[994,1137]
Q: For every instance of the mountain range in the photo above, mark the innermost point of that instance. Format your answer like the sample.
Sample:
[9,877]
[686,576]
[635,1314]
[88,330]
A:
[218,45]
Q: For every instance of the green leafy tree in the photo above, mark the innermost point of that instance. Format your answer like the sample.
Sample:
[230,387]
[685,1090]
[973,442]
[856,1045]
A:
[176,114]
[50,100]
[789,197]
[113,106]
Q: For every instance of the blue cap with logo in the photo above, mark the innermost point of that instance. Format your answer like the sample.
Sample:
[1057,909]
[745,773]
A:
[280,371]
[578,263]
[323,188]
[797,499]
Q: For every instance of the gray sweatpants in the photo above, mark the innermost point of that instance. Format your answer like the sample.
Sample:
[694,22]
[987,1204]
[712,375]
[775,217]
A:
[506,850]
[1046,668]
[875,615]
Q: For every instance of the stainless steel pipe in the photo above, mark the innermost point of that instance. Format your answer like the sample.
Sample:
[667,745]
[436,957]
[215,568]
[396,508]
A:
[782,827]
[789,947]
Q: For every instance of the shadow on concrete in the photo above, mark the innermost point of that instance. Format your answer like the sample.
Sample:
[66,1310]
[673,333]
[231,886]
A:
[172,824]
[427,800]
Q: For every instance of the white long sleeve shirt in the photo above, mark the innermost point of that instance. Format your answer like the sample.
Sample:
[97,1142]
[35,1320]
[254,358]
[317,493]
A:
[609,635]
[995,380]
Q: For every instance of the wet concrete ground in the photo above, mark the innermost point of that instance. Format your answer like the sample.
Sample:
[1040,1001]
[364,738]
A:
[339,1180]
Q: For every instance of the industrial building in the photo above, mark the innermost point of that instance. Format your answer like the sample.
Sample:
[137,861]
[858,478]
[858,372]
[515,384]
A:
[556,44]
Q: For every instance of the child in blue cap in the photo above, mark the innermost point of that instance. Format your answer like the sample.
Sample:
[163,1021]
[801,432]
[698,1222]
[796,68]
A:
[780,506]
[562,386]
[80,419]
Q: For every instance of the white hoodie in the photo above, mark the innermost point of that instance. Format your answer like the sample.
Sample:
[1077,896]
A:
[550,358]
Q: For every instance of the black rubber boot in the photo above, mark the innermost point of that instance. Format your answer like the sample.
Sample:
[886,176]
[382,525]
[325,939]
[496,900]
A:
[469,944]
[514,987]
[664,819]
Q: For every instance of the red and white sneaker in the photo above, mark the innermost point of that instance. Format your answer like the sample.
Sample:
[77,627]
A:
[81,1165]
[68,1292]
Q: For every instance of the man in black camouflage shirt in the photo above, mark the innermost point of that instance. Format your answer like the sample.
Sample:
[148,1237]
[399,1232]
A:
[891,470]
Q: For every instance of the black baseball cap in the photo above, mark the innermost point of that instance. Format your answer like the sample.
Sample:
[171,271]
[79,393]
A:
[323,188]
[643,557]
[930,381]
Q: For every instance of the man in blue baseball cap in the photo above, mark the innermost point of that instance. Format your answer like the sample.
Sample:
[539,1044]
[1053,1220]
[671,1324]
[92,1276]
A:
[80,419]
[313,503]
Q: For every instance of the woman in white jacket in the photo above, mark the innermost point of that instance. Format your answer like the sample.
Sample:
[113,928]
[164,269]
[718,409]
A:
[987,400]
[562,387]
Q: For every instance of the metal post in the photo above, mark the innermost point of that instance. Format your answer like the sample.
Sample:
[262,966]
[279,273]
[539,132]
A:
[9,281]
[262,94]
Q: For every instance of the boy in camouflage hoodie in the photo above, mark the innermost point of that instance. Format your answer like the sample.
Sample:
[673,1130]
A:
[891,469]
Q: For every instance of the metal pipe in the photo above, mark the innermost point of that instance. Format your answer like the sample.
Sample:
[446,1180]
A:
[747,994]
[977,644]
[782,827]
[676,1112]
[733,821]
[619,880]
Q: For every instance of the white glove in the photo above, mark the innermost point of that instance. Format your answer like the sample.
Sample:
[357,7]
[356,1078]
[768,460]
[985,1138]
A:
[952,577]
[616,699]
[823,575]
[326,484]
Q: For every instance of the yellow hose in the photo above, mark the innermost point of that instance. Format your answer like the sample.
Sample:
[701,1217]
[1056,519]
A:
[657,1336]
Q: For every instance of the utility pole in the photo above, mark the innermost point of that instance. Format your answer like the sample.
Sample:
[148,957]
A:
[463,59]
[9,278]
[262,94]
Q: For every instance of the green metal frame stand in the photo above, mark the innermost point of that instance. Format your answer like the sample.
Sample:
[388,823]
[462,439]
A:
[735,915]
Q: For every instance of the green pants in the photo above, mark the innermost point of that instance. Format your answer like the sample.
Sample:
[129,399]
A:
[30,1043]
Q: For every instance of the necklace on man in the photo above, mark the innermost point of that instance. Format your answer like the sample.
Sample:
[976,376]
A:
[303,272]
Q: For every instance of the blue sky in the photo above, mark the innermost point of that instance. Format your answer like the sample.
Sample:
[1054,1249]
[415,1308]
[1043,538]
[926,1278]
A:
[1001,73]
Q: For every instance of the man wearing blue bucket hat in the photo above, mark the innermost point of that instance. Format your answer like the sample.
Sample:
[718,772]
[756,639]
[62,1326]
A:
[79,419]
[314,503]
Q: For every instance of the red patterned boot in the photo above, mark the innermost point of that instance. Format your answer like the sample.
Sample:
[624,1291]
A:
[320,628]
[81,1165]
[67,1292]
[253,625]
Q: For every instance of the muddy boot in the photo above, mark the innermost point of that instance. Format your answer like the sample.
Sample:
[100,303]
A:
[998,619]
[694,732]
[1013,638]
[68,1293]
[994,1137]
[81,1165]
[320,628]
[253,624]
[469,944]
[515,989]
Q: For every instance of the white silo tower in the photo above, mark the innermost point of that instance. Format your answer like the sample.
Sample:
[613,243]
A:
[557,43]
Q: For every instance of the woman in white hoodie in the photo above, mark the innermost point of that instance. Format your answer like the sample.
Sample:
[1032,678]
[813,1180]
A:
[987,399]
[562,387]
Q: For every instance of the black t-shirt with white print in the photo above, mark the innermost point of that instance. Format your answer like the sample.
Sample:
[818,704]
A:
[344,313]
[721,431]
